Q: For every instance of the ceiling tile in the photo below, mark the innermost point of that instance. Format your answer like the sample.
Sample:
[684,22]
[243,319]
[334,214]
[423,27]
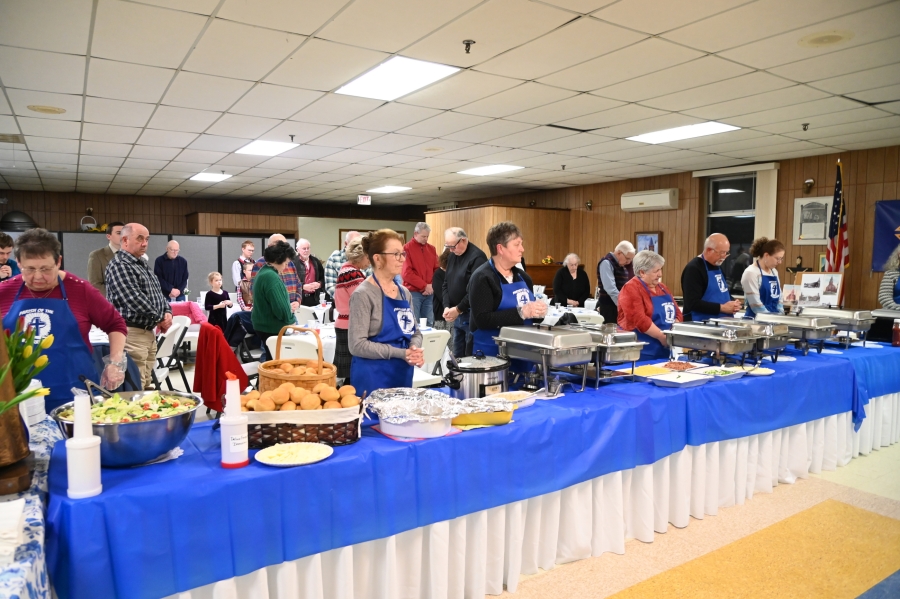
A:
[143,34]
[200,7]
[507,157]
[708,140]
[602,147]
[393,116]
[237,125]
[722,91]
[389,160]
[773,150]
[110,133]
[54,158]
[323,65]
[139,169]
[488,131]
[302,132]
[240,51]
[497,26]
[336,109]
[99,148]
[182,119]
[392,142]
[201,156]
[657,17]
[819,133]
[463,88]
[46,25]
[794,127]
[4,105]
[275,101]
[171,139]
[437,147]
[530,137]
[124,81]
[205,92]
[564,47]
[892,141]
[443,124]
[154,153]
[576,140]
[556,112]
[217,143]
[310,152]
[297,16]
[768,100]
[241,160]
[861,80]
[21,99]
[283,163]
[842,62]
[881,94]
[107,161]
[42,71]
[518,99]
[345,137]
[389,25]
[187,167]
[658,123]
[757,20]
[614,116]
[117,112]
[641,58]
[805,110]
[862,136]
[355,155]
[320,166]
[892,107]
[690,75]
[49,144]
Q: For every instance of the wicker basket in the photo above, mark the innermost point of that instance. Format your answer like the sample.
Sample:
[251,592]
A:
[312,426]
[269,380]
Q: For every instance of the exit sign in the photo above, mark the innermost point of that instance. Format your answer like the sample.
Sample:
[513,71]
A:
[364,200]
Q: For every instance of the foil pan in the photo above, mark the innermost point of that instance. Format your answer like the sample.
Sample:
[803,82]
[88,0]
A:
[404,404]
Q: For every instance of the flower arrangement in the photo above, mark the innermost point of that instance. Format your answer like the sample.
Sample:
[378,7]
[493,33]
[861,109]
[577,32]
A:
[25,362]
[547,260]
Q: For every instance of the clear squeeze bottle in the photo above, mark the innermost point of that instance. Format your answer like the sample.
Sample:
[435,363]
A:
[235,440]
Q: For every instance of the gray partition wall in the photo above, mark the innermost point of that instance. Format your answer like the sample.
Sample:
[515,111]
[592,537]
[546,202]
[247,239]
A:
[202,255]
[76,249]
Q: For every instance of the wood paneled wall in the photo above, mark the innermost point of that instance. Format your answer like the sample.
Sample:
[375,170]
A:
[869,176]
[209,223]
[545,231]
[63,211]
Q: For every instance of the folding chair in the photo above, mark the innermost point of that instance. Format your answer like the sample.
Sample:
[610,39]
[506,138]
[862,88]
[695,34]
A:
[434,343]
[167,358]
[294,346]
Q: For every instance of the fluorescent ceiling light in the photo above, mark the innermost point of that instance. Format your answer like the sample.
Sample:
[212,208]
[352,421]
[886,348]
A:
[388,189]
[396,77]
[732,191]
[211,177]
[687,132]
[266,148]
[493,169]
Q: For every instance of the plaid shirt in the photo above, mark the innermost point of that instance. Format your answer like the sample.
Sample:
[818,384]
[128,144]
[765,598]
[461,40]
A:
[332,267]
[289,276]
[134,290]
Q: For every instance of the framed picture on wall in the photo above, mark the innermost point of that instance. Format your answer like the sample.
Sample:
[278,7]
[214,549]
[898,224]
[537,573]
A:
[651,240]
[811,219]
[819,288]
[822,256]
[342,232]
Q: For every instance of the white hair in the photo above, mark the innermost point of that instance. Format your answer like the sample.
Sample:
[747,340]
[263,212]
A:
[421,227]
[645,261]
[566,259]
[626,247]
[274,238]
[301,240]
[456,232]
[348,235]
[893,261]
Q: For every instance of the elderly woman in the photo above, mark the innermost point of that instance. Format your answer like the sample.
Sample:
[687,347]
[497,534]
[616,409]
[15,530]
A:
[349,278]
[383,337]
[54,302]
[762,289]
[889,291]
[647,307]
[499,292]
[571,286]
[271,302]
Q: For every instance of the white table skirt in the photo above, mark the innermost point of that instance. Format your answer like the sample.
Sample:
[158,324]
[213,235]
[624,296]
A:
[478,554]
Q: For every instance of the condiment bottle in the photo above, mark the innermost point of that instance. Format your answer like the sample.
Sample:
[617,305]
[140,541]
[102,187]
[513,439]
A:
[83,453]
[235,441]
[895,334]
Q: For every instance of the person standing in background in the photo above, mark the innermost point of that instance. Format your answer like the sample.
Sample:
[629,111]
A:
[464,259]
[99,259]
[310,273]
[8,266]
[571,286]
[613,271]
[217,301]
[172,272]
[418,272]
[438,283]
[287,272]
[237,267]
[336,260]
[349,277]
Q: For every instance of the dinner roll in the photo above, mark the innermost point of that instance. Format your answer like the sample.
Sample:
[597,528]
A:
[318,388]
[298,370]
[329,394]
[280,396]
[265,405]
[286,367]
[347,390]
[348,401]
[297,393]
[310,402]
[287,406]
[332,405]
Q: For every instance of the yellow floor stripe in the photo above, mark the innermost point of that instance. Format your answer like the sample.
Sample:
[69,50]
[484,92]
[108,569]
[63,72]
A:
[832,550]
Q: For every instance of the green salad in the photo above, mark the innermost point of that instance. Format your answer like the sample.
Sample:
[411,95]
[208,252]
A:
[149,407]
[718,372]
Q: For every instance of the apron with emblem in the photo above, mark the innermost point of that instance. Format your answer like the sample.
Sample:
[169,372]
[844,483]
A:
[515,294]
[663,317]
[716,293]
[769,294]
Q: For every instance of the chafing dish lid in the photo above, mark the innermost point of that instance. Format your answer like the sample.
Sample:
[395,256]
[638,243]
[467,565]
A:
[836,315]
[603,335]
[480,363]
[760,329]
[696,329]
[547,337]
[801,322]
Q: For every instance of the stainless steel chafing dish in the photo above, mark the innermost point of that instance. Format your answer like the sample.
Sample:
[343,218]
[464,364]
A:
[852,321]
[613,346]
[710,338]
[551,347]
[770,337]
[802,328]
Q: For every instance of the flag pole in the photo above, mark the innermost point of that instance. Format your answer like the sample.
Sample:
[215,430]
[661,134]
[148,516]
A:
[841,220]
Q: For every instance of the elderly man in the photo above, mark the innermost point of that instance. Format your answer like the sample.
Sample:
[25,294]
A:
[137,295]
[703,283]
[8,266]
[172,272]
[336,261]
[464,259]
[613,271]
[288,275]
[237,267]
[310,273]
[418,271]
[98,260]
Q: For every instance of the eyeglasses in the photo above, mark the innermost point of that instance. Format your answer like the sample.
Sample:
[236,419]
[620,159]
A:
[397,255]
[722,253]
[453,247]
[31,271]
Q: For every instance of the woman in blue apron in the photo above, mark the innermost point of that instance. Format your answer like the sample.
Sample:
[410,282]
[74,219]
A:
[385,347]
[889,290]
[56,303]
[762,290]
[635,310]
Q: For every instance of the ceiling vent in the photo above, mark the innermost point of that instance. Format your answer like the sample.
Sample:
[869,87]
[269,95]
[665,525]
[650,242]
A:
[12,138]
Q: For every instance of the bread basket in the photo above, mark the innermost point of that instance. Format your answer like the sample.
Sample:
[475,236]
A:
[270,379]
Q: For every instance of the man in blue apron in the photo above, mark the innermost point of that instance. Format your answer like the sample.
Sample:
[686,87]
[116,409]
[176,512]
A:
[703,283]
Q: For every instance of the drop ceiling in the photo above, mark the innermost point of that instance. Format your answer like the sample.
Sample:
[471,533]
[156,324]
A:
[157,91]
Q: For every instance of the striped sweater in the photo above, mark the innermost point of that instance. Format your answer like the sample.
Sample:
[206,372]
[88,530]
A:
[886,290]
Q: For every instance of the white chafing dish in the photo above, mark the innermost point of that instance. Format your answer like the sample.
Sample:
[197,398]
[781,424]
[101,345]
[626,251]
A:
[613,346]
[770,337]
[711,339]
[851,321]
[802,328]
[549,346]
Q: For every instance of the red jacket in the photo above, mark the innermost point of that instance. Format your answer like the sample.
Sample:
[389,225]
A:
[421,262]
[214,359]
[636,307]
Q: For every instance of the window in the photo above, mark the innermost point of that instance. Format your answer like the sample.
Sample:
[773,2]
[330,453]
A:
[731,210]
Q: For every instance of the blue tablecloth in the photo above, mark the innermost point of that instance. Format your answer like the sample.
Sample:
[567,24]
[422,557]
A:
[175,526]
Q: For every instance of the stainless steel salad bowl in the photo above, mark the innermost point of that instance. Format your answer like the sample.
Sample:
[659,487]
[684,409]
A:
[125,444]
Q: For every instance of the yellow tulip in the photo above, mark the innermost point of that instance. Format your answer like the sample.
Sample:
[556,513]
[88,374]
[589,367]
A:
[26,353]
[41,361]
[47,342]
[42,391]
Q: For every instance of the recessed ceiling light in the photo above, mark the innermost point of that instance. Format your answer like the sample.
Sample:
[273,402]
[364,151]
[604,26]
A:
[45,109]
[388,189]
[686,132]
[493,169]
[731,191]
[396,77]
[211,177]
[266,148]
[825,38]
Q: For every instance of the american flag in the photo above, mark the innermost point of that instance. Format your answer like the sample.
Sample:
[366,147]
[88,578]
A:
[838,256]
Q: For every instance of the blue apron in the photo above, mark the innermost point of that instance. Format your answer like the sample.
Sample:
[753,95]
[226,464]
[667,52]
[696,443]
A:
[397,327]
[663,317]
[69,356]
[514,295]
[716,292]
[769,294]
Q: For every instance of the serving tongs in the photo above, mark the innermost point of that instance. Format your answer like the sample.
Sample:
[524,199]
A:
[91,386]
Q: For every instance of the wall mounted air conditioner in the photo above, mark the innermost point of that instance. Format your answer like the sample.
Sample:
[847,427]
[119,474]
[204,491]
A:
[654,199]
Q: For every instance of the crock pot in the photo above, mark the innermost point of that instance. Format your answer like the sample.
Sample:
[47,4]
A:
[477,376]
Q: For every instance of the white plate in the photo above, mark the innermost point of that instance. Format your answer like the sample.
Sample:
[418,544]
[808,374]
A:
[679,379]
[263,455]
[707,370]
[761,371]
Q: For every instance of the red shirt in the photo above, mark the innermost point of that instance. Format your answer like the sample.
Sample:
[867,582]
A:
[85,302]
[421,262]
[636,307]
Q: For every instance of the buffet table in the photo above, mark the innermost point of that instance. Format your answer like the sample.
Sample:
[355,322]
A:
[466,514]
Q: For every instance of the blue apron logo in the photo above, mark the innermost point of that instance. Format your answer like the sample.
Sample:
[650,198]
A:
[39,320]
[773,290]
[522,297]
[720,281]
[406,320]
[669,307]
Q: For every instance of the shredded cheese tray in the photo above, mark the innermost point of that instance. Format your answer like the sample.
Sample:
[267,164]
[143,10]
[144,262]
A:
[757,371]
[646,370]
[285,455]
